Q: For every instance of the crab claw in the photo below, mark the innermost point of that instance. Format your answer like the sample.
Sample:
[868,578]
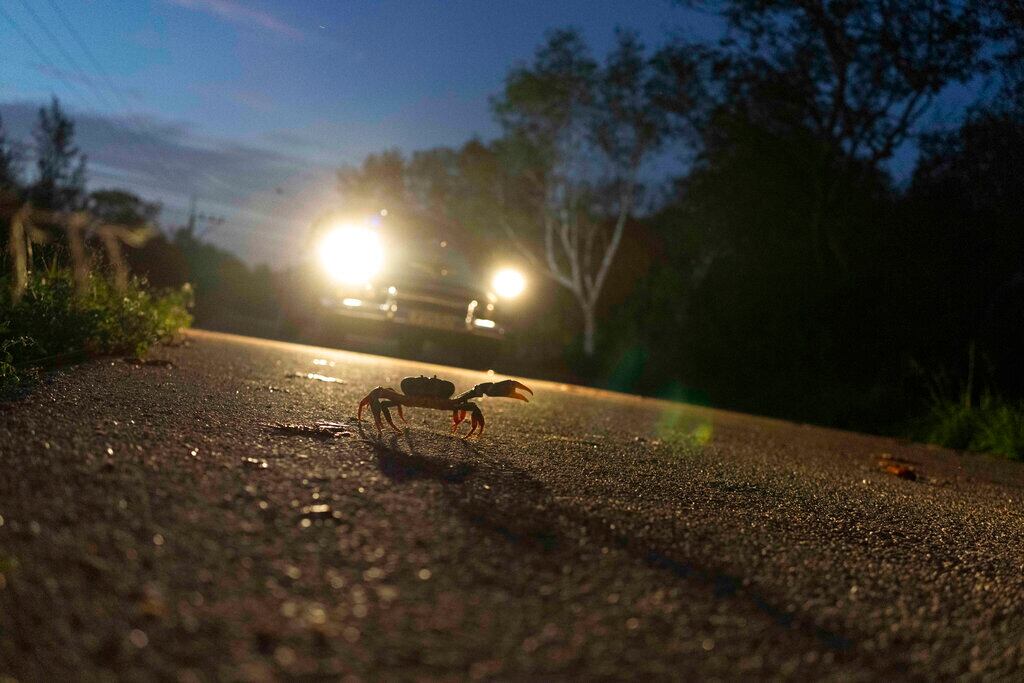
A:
[508,388]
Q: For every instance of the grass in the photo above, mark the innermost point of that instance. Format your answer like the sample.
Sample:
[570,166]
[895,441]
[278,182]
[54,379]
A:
[990,425]
[52,324]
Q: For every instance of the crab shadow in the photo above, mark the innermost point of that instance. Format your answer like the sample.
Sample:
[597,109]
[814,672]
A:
[409,463]
[503,500]
[489,494]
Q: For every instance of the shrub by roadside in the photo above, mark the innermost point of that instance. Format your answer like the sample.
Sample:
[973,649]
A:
[52,323]
[990,425]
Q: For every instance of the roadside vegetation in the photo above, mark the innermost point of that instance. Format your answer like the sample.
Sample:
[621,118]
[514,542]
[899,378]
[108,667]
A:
[971,419]
[66,289]
[989,425]
[54,322]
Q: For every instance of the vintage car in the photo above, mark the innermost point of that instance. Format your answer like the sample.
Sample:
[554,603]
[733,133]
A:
[411,294]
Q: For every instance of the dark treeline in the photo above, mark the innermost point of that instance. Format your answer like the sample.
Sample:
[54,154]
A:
[785,271]
[794,276]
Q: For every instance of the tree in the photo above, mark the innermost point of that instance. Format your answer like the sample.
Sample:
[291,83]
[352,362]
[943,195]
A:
[576,135]
[858,77]
[1004,24]
[121,207]
[964,285]
[60,166]
[10,166]
[379,182]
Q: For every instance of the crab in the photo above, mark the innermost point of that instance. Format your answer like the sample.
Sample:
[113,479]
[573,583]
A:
[431,392]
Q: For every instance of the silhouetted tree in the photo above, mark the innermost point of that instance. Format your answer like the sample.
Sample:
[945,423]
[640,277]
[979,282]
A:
[10,165]
[857,77]
[60,166]
[121,207]
[964,237]
[576,134]
[378,183]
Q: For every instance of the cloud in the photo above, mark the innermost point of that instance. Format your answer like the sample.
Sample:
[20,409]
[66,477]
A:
[82,78]
[268,198]
[229,10]
[254,100]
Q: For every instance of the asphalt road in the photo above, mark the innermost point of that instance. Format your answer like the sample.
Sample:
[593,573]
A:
[153,526]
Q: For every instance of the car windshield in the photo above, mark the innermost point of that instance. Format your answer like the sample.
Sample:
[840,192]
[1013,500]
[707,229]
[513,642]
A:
[431,261]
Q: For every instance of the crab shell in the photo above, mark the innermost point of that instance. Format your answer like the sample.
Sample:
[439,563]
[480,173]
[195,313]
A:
[427,386]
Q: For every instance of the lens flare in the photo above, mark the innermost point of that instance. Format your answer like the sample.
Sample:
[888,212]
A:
[508,283]
[351,254]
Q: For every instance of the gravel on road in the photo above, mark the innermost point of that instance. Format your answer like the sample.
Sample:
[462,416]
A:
[221,515]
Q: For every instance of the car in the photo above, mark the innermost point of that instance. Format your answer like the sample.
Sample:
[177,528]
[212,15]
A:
[407,293]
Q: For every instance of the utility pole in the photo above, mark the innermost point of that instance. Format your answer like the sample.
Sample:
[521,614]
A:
[199,225]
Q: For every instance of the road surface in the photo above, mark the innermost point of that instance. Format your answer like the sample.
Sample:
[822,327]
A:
[155,525]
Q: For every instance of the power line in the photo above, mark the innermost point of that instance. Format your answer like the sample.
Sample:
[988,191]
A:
[77,37]
[77,94]
[135,136]
[60,48]
[39,52]
[57,72]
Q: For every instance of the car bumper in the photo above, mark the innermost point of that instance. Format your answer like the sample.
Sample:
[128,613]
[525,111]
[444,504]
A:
[407,315]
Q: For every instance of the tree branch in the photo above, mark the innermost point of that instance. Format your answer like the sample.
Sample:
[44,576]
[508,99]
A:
[613,246]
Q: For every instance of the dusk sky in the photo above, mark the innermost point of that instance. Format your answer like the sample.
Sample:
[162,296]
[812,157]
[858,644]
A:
[252,106]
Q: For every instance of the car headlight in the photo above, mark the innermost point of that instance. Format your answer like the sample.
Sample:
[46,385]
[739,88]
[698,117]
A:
[351,254]
[508,283]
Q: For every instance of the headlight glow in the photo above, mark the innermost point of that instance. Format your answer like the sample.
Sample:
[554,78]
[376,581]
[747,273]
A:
[351,254]
[508,283]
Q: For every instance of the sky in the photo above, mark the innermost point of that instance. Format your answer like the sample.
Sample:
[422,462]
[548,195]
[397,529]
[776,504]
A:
[251,106]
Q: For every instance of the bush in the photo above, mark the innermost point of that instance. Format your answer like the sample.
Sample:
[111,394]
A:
[992,425]
[53,324]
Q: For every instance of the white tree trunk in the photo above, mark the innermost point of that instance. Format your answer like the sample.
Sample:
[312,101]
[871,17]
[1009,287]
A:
[589,327]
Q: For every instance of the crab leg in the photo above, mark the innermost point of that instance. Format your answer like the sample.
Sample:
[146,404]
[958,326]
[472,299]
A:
[375,409]
[387,416]
[457,417]
[477,422]
[384,407]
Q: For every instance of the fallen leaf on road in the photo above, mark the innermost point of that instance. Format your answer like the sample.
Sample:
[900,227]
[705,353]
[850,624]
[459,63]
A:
[897,468]
[319,430]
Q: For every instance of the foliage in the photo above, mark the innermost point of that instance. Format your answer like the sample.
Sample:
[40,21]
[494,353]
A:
[961,222]
[991,425]
[223,283]
[60,165]
[121,207]
[10,165]
[51,324]
[859,75]
[10,350]
[575,136]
